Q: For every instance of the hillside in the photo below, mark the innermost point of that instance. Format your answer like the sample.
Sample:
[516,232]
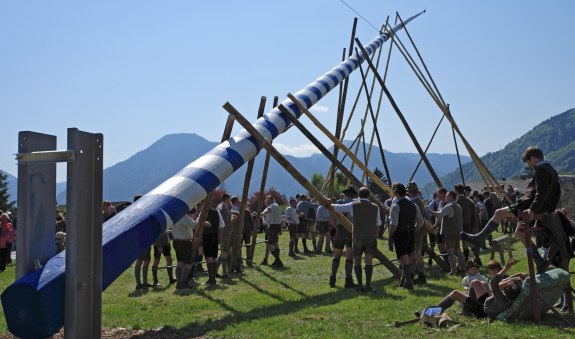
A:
[150,167]
[555,136]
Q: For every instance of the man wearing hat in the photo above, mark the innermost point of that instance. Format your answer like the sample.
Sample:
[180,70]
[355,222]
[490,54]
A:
[404,219]
[419,235]
[343,239]
[366,223]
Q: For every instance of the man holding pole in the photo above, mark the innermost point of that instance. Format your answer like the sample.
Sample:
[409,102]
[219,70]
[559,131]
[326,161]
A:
[366,223]
[404,218]
[343,239]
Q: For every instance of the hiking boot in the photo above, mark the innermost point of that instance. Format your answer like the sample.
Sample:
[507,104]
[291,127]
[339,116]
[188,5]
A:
[332,281]
[421,279]
[349,283]
[173,281]
[360,288]
[140,287]
[264,262]
[369,289]
[408,285]
[225,276]
[278,263]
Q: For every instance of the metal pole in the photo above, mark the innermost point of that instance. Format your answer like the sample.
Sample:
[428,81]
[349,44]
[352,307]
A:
[83,287]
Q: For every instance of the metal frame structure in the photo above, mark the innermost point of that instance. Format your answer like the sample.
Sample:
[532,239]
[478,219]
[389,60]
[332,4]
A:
[82,295]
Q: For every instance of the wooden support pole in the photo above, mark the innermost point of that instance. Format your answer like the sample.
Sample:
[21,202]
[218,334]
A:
[341,106]
[458,157]
[353,158]
[373,118]
[237,241]
[400,115]
[427,148]
[338,164]
[208,200]
[260,203]
[304,182]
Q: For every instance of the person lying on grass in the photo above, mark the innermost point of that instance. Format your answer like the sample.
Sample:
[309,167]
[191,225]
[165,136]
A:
[482,302]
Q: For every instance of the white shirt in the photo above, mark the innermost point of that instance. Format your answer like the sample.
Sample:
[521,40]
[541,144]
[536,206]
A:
[272,214]
[291,215]
[184,229]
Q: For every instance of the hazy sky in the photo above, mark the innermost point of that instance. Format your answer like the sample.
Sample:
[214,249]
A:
[138,70]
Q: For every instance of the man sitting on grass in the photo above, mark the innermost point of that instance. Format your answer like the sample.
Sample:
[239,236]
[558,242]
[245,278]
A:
[482,302]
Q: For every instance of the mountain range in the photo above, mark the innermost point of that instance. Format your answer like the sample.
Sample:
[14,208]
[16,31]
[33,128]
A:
[555,136]
[150,167]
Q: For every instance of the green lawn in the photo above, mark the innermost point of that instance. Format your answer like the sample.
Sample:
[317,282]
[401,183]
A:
[297,301]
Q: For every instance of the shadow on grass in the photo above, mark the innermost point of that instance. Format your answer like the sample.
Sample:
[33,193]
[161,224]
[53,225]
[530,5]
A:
[194,329]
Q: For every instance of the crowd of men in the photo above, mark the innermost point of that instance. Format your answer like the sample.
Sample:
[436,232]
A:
[457,222]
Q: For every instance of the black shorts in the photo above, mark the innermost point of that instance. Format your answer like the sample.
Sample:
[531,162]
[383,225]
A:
[146,255]
[440,238]
[210,245]
[475,306]
[322,227]
[364,246]
[166,251]
[292,228]
[342,238]
[184,251]
[332,231]
[274,233]
[403,243]
[302,227]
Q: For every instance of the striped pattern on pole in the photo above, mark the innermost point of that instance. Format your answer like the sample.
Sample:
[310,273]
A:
[34,304]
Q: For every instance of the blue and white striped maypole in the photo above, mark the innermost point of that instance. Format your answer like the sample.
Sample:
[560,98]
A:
[34,304]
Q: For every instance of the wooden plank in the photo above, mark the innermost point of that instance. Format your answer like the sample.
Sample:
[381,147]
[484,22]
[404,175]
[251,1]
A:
[303,181]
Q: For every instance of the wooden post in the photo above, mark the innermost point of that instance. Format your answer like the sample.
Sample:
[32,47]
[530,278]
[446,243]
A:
[260,202]
[303,181]
[400,115]
[353,158]
[237,241]
[427,148]
[208,200]
[341,108]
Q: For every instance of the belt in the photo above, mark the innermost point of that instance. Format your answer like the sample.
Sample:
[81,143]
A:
[183,240]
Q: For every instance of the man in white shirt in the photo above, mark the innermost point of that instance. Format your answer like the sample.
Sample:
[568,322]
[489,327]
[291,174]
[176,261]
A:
[292,221]
[273,218]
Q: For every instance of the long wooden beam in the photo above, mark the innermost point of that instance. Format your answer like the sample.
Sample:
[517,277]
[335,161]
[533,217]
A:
[346,150]
[207,204]
[260,203]
[237,241]
[399,114]
[303,181]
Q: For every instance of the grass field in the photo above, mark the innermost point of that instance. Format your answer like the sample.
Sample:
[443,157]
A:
[296,302]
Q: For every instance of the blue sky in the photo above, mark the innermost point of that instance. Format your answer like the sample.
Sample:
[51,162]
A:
[138,70]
